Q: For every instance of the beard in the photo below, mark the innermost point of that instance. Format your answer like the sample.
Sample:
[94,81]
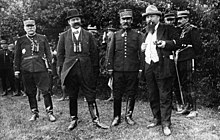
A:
[151,26]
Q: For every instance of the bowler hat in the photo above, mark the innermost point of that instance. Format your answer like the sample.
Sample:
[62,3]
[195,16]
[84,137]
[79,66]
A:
[152,10]
[73,13]
[125,13]
[184,13]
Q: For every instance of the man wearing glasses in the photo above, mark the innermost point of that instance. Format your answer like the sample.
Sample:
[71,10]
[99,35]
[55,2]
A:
[32,59]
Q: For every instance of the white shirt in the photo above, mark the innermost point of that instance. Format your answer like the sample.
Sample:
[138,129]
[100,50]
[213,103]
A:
[78,32]
[150,50]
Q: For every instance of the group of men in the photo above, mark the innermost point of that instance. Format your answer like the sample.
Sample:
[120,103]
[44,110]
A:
[131,55]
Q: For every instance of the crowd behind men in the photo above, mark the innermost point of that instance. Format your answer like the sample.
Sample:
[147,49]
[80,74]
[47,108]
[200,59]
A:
[164,55]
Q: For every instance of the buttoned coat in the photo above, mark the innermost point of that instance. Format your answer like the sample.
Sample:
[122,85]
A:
[125,52]
[192,39]
[23,51]
[169,34]
[87,59]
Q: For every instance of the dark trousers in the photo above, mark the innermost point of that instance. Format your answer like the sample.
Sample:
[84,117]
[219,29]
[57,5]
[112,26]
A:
[160,94]
[125,82]
[7,76]
[34,80]
[186,80]
[75,81]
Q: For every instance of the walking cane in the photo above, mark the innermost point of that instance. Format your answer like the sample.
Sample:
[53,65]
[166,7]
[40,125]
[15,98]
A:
[178,77]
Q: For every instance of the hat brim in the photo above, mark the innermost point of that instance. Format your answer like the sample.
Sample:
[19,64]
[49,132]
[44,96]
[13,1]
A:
[152,13]
[180,16]
[73,16]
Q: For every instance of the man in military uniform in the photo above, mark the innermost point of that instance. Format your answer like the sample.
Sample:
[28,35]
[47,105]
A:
[77,54]
[124,63]
[190,46]
[159,67]
[30,61]
[170,18]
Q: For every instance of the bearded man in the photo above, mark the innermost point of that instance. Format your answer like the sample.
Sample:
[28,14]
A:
[158,45]
[77,55]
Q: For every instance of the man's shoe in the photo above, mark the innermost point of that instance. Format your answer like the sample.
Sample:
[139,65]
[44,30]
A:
[99,124]
[166,131]
[61,99]
[110,99]
[34,117]
[4,93]
[51,117]
[152,125]
[179,107]
[116,121]
[73,124]
[16,94]
[192,114]
[183,111]
[129,120]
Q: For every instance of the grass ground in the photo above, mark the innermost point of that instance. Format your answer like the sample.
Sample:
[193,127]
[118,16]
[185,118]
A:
[15,113]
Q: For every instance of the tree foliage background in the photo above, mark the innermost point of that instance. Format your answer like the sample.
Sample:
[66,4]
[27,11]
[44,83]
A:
[50,17]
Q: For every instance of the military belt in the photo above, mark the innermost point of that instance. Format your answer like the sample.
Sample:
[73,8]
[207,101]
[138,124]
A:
[31,57]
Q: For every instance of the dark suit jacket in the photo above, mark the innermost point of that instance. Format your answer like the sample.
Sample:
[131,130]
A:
[67,58]
[169,34]
[23,51]
[125,54]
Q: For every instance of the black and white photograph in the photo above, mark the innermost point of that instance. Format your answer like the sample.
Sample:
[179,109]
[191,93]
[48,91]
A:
[109,69]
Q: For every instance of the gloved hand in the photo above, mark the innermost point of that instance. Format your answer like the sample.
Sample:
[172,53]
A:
[139,74]
[110,72]
[17,74]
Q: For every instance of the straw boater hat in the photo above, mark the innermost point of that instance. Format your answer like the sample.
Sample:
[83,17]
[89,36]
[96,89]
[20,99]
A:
[184,13]
[151,10]
[73,13]
[125,13]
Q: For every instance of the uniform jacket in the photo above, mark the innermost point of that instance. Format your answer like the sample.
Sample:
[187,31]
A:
[169,34]
[189,38]
[125,52]
[67,58]
[26,59]
[6,59]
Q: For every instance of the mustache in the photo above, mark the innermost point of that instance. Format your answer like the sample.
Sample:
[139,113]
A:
[126,23]
[77,24]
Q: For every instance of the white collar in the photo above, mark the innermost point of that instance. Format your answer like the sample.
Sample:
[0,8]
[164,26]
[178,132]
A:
[73,29]
[156,26]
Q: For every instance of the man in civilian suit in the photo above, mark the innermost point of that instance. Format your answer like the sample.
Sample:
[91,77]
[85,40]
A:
[158,45]
[77,54]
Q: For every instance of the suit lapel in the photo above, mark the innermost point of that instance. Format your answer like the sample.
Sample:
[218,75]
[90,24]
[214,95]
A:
[69,37]
[160,31]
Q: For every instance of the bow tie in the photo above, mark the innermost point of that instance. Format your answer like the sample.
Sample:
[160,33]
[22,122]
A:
[76,32]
